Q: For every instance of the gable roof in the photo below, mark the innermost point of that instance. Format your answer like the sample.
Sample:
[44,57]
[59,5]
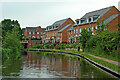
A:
[70,29]
[98,13]
[58,23]
[43,29]
[64,28]
[31,29]
[110,18]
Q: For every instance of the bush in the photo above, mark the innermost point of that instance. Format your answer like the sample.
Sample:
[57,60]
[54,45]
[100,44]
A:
[105,42]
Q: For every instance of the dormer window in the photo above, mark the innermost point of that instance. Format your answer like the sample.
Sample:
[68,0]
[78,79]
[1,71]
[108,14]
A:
[89,19]
[47,28]
[53,27]
[95,17]
[77,22]
[82,20]
[56,26]
[50,27]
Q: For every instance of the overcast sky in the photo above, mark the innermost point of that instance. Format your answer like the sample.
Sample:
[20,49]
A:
[46,12]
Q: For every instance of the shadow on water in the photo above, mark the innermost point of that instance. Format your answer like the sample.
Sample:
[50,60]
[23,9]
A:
[51,65]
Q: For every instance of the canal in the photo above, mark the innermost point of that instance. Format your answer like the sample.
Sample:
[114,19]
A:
[51,65]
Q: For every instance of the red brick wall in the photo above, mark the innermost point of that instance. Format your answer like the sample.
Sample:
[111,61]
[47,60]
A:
[113,25]
[65,34]
[112,11]
[38,30]
[32,43]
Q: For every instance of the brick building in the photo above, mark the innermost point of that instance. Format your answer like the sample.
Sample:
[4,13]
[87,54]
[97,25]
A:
[34,32]
[57,32]
[111,16]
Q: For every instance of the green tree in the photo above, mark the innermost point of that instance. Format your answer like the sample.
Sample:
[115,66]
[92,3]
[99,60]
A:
[101,26]
[85,35]
[11,45]
[11,35]
[8,25]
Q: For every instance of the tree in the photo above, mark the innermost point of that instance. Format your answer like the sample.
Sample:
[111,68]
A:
[101,26]
[85,35]
[11,35]
[11,45]
[8,25]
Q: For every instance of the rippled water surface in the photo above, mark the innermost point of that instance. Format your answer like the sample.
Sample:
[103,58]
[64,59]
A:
[51,65]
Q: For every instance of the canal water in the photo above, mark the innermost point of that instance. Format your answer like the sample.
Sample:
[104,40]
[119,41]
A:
[51,65]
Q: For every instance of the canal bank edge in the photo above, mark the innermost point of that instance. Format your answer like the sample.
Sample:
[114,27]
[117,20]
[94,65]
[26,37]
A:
[110,71]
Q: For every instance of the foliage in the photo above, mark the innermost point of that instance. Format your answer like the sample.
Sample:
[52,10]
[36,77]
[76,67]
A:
[105,42]
[44,46]
[8,25]
[101,26]
[85,35]
[61,46]
[11,35]
[11,45]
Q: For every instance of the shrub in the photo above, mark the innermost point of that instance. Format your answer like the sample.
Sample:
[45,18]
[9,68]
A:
[105,42]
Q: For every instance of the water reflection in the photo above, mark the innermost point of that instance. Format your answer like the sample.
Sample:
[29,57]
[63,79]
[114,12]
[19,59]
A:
[44,65]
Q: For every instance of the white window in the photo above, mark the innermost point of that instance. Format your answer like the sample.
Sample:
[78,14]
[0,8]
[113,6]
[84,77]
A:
[93,34]
[33,36]
[96,27]
[55,33]
[29,32]
[33,32]
[92,28]
[37,36]
[80,30]
[37,32]
[76,30]
[41,32]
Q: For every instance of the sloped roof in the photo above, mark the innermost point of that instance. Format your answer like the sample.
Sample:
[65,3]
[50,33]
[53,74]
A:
[31,29]
[64,28]
[43,29]
[70,29]
[98,13]
[58,23]
[110,18]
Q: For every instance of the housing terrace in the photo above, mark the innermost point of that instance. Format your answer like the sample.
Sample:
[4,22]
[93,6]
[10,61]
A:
[92,16]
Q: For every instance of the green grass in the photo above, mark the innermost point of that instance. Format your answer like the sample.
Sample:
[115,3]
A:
[104,63]
[114,58]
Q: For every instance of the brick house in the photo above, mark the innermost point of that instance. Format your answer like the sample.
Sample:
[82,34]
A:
[111,16]
[34,32]
[57,32]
